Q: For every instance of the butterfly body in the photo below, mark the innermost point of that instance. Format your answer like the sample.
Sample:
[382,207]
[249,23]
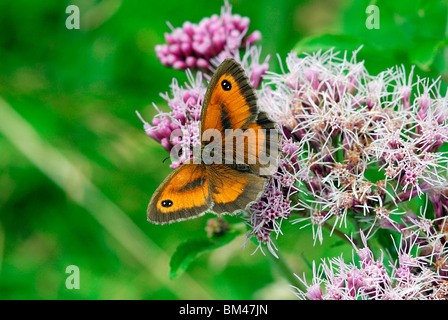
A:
[229,112]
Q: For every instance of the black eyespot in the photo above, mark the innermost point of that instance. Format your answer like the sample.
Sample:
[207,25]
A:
[226,85]
[167,203]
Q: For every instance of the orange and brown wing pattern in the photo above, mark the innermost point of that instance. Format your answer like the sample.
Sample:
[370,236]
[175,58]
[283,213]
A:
[230,101]
[183,195]
[256,145]
[262,151]
[233,190]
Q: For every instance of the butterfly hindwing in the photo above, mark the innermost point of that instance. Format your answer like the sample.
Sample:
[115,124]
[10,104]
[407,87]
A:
[233,189]
[184,194]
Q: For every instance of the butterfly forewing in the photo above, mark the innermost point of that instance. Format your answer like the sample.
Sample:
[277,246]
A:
[230,106]
[230,101]
[262,153]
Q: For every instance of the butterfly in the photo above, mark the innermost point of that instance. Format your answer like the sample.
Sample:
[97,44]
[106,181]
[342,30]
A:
[232,185]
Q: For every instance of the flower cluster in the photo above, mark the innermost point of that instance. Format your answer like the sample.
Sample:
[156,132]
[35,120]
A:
[194,45]
[372,278]
[360,144]
[356,150]
[266,215]
[361,147]
[179,128]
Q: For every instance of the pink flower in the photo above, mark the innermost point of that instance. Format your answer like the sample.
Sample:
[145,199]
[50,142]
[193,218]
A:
[194,45]
[179,128]
[370,278]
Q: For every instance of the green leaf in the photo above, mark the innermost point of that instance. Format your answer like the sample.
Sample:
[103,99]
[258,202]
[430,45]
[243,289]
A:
[326,42]
[189,250]
[424,53]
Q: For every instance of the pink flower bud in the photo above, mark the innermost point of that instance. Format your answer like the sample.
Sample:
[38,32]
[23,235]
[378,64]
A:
[253,37]
[180,65]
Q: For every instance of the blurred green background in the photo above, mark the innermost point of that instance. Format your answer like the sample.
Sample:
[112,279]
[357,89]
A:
[77,170]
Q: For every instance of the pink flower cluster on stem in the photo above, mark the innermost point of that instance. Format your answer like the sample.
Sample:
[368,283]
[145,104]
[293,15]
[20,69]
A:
[194,45]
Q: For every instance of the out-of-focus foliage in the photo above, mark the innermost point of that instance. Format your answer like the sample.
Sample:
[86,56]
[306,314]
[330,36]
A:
[78,89]
[409,33]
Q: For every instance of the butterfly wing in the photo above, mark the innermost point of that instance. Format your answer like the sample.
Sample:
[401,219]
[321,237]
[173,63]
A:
[262,153]
[193,189]
[233,190]
[183,195]
[230,101]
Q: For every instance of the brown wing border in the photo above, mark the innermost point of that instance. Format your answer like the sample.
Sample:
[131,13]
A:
[231,67]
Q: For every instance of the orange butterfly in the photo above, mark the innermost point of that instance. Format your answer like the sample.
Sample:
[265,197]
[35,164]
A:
[196,187]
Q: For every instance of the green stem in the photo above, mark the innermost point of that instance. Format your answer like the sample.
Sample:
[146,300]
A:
[338,154]
[337,232]
[357,241]
[282,266]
